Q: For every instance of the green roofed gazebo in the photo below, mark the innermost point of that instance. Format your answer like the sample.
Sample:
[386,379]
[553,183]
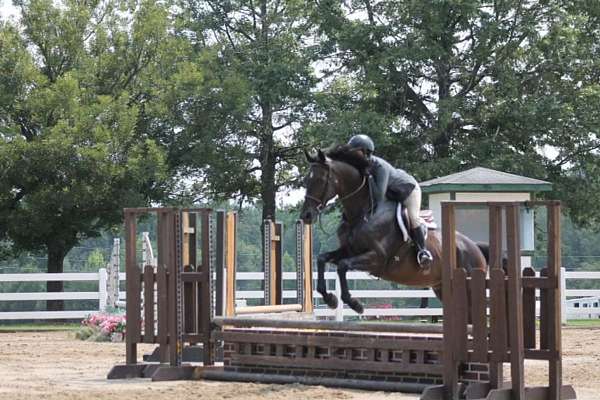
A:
[484,180]
[479,185]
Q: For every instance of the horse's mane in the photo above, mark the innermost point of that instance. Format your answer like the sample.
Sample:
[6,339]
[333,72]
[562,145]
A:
[344,153]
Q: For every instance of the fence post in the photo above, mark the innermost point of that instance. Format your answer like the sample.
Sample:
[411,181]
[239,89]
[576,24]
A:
[339,311]
[563,295]
[102,289]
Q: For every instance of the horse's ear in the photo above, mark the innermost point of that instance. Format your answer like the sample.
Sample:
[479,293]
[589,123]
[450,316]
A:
[309,157]
[321,156]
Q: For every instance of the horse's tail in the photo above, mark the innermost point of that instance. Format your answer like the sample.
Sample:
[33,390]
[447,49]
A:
[485,249]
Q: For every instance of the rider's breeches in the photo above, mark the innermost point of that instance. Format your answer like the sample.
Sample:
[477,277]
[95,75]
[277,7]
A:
[413,206]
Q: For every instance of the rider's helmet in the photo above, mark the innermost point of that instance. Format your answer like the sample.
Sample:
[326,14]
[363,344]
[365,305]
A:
[362,142]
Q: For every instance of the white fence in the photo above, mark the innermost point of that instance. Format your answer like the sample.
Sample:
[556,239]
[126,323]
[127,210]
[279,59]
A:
[101,295]
[383,296]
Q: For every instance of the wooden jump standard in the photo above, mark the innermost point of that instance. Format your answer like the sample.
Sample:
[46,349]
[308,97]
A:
[179,288]
[501,307]
[273,268]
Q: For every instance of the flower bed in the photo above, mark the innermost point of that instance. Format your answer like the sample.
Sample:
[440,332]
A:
[102,328]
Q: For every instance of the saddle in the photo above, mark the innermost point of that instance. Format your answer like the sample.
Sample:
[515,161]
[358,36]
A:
[425,217]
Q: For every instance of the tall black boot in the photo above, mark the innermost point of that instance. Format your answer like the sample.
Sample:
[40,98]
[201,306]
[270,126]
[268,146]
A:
[424,257]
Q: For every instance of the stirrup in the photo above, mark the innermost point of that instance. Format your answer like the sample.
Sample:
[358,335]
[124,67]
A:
[424,257]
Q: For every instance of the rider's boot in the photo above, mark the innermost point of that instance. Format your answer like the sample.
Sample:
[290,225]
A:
[424,256]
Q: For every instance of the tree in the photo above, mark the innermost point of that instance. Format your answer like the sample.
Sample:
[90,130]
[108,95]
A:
[72,153]
[448,85]
[240,129]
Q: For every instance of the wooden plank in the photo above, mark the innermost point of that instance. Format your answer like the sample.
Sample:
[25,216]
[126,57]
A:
[515,302]
[230,264]
[537,283]
[205,306]
[307,267]
[167,219]
[280,308]
[479,315]
[132,335]
[450,365]
[194,338]
[163,310]
[529,312]
[497,285]
[495,235]
[535,354]
[460,303]
[304,264]
[188,254]
[545,314]
[375,342]
[277,282]
[381,327]
[148,304]
[193,276]
[163,288]
[220,263]
[554,298]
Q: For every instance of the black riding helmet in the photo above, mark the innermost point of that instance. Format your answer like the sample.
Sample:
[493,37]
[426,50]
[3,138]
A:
[362,142]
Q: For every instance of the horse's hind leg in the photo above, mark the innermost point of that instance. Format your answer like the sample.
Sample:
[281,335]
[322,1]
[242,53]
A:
[330,257]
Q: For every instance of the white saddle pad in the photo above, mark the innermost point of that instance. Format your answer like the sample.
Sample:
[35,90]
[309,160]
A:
[425,218]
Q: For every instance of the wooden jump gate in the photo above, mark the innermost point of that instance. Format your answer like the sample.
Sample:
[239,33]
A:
[488,321]
[172,304]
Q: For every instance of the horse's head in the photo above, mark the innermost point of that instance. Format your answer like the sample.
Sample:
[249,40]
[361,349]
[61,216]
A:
[320,186]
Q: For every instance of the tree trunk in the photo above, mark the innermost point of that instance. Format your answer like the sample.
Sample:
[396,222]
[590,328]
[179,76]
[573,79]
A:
[56,256]
[268,161]
[444,131]
[267,156]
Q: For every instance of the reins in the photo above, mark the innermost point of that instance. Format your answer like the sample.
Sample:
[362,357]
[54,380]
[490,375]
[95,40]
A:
[322,206]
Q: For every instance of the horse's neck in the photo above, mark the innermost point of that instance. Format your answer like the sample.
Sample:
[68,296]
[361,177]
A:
[349,180]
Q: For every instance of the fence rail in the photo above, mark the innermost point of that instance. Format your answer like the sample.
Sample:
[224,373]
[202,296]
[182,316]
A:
[101,295]
[570,296]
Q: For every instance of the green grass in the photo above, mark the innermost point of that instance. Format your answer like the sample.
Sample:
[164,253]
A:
[42,327]
[589,323]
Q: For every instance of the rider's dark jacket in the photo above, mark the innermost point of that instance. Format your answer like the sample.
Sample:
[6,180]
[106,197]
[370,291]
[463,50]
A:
[395,183]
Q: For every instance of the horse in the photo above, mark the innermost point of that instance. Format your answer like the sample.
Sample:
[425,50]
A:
[369,236]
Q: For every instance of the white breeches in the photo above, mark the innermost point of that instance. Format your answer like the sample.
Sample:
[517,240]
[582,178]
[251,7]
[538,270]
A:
[413,207]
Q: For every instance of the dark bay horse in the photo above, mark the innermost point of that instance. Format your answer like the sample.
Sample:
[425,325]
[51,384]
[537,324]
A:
[371,242]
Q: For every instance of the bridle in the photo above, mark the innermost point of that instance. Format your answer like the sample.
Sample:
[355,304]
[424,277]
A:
[321,205]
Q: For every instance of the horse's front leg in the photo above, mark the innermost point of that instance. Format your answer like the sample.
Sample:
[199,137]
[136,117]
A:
[330,257]
[370,261]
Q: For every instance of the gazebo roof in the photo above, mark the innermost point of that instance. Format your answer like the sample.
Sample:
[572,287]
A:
[481,179]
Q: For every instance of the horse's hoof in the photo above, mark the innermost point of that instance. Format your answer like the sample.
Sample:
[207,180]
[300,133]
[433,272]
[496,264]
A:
[331,300]
[356,306]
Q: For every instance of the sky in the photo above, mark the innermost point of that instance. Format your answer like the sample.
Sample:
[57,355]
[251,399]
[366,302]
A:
[7,10]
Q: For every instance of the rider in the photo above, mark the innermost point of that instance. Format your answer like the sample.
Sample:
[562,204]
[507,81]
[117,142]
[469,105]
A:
[398,186]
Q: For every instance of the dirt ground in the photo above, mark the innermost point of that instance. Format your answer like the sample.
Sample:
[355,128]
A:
[54,365]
